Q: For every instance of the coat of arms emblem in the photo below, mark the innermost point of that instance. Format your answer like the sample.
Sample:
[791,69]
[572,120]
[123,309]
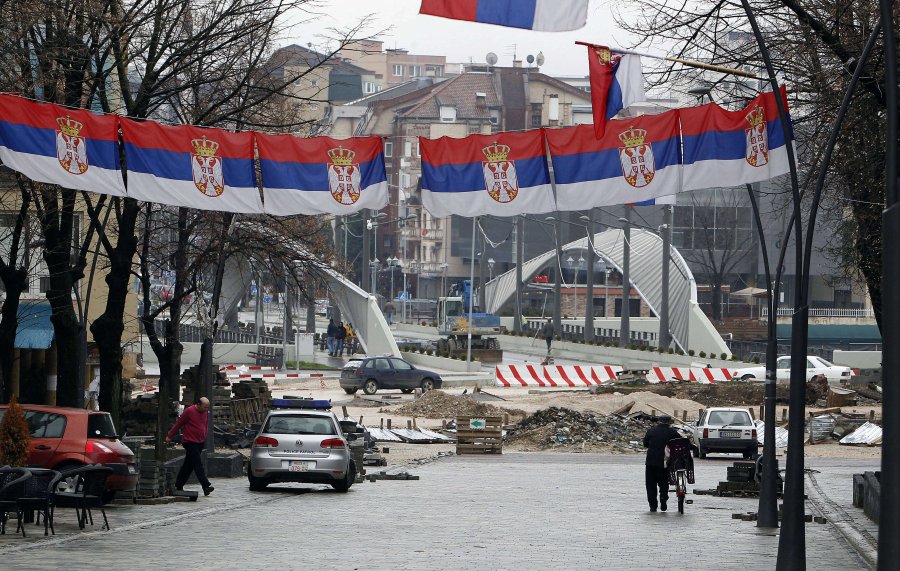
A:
[500,178]
[344,178]
[757,138]
[71,149]
[636,157]
[206,167]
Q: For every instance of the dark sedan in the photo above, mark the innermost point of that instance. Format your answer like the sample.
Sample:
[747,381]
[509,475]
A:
[373,373]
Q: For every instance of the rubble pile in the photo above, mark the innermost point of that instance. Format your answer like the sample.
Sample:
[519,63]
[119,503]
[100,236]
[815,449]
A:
[438,404]
[563,428]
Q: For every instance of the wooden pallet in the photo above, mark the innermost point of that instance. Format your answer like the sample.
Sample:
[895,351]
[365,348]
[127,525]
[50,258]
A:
[248,411]
[479,435]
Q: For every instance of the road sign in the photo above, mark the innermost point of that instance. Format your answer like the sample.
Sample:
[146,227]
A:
[477,423]
[267,299]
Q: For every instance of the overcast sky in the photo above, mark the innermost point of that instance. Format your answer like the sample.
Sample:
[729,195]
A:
[465,41]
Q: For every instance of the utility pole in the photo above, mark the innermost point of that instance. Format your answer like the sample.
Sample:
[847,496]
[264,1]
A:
[364,270]
[557,287]
[519,254]
[625,326]
[664,337]
[589,282]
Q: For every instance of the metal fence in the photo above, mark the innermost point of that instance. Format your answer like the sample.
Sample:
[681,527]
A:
[825,312]
[195,334]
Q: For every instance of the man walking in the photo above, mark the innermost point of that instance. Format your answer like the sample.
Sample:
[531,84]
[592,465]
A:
[547,332]
[193,424]
[331,333]
[655,473]
[339,335]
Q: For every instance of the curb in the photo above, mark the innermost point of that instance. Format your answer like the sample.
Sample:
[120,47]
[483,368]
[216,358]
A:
[843,523]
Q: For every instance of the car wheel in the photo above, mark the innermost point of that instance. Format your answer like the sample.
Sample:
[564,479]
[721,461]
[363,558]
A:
[344,485]
[257,484]
[66,484]
[406,391]
[427,385]
[350,391]
[748,377]
[370,387]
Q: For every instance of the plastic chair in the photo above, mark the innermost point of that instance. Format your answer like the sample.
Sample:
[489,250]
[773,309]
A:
[90,484]
[12,487]
[38,496]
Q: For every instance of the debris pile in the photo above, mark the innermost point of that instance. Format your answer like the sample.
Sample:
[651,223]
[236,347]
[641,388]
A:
[438,404]
[563,428]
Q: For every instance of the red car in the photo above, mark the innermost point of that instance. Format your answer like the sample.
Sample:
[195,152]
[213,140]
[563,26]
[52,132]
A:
[63,438]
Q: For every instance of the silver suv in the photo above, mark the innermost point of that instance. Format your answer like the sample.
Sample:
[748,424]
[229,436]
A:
[301,445]
[725,429]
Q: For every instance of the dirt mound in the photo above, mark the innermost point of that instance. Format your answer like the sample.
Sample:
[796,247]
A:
[438,404]
[719,394]
[567,429]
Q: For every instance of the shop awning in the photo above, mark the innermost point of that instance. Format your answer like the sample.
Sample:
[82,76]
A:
[34,330]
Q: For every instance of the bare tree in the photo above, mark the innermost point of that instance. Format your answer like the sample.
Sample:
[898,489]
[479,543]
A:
[14,271]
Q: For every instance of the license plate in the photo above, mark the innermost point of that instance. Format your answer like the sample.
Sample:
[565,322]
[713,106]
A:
[730,433]
[299,467]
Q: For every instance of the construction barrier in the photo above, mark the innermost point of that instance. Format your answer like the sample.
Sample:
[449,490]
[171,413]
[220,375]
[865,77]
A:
[277,376]
[555,376]
[706,375]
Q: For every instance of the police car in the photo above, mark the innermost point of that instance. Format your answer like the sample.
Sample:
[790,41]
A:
[301,441]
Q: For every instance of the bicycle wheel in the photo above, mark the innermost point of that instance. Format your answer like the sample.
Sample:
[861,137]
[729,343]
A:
[681,503]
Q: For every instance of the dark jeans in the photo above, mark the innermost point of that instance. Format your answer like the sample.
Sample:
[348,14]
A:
[657,477]
[549,340]
[192,463]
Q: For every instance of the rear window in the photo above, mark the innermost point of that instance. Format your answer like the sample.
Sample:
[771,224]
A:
[728,417]
[299,424]
[353,364]
[100,426]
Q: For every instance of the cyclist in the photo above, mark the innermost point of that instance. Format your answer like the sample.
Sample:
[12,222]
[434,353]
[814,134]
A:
[655,473]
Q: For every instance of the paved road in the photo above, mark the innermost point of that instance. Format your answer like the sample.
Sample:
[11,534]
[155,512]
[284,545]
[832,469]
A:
[516,511]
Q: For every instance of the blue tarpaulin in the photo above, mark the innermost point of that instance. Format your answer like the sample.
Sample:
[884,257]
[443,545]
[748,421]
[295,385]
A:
[34,330]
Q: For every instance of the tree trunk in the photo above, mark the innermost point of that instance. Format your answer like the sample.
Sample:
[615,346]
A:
[15,282]
[109,327]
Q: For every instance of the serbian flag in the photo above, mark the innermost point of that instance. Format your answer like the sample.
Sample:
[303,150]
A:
[538,15]
[195,167]
[731,148]
[636,160]
[504,174]
[321,175]
[616,83]
[73,148]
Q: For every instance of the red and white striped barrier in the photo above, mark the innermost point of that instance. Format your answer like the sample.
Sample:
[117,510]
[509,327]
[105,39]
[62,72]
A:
[278,376]
[704,375]
[247,368]
[555,376]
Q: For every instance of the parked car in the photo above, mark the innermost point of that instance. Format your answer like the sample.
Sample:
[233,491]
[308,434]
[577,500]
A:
[835,374]
[64,438]
[385,372]
[298,444]
[725,429]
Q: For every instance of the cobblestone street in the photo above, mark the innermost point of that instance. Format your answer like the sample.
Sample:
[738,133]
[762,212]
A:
[516,511]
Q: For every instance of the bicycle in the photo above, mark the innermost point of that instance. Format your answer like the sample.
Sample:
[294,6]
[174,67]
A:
[680,465]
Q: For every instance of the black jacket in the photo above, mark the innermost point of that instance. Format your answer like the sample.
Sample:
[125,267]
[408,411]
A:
[655,440]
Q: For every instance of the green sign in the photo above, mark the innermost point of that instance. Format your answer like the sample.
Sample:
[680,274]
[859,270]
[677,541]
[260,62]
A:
[477,423]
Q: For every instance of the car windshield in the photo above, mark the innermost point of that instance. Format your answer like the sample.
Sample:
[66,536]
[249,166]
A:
[728,418]
[299,424]
[100,426]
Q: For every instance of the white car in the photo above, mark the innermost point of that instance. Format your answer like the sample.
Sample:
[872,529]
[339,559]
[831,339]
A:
[835,374]
[725,429]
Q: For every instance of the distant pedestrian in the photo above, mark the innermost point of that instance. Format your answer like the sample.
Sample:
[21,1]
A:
[389,312]
[340,335]
[547,332]
[330,334]
[193,424]
[655,473]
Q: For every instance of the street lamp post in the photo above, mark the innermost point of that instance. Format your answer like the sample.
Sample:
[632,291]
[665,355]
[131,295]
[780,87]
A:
[443,291]
[625,325]
[392,263]
[373,265]
[414,268]
[570,262]
[589,281]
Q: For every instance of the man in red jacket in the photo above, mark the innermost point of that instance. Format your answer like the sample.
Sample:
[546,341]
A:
[193,423]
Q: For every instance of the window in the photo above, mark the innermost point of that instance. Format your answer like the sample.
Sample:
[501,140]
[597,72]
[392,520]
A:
[382,365]
[388,148]
[398,70]
[535,120]
[314,83]
[400,365]
[369,87]
[448,114]
[45,424]
[100,426]
[299,424]
[495,116]
[414,71]
[44,286]
[407,148]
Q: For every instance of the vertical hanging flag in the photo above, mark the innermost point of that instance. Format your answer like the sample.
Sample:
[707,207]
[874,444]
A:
[616,83]
[637,160]
[504,174]
[730,148]
[195,167]
[538,15]
[321,175]
[73,148]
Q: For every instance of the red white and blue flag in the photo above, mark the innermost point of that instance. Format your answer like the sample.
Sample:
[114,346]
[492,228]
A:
[321,175]
[73,148]
[194,167]
[504,174]
[616,82]
[636,161]
[538,15]
[730,148]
